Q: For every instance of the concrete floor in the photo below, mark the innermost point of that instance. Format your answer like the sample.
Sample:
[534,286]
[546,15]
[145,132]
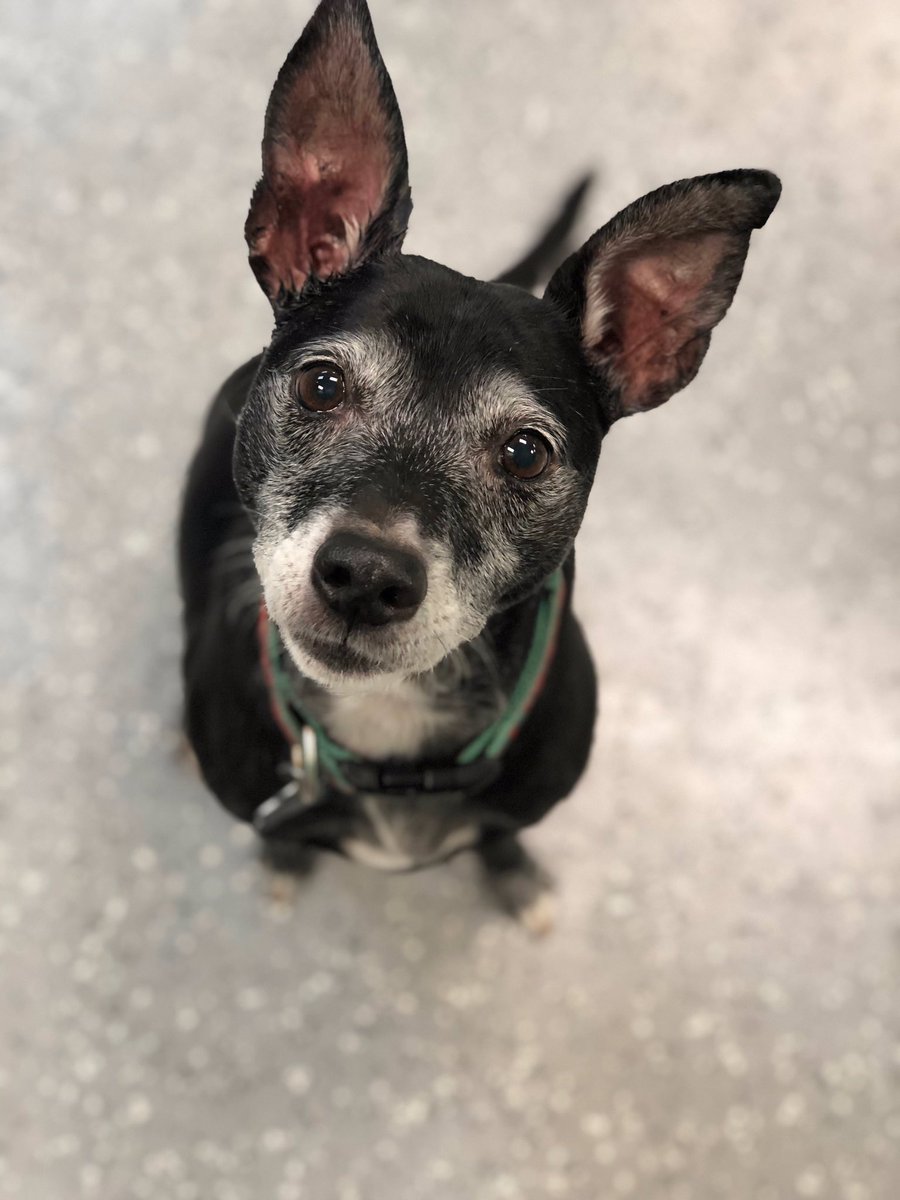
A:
[718,1012]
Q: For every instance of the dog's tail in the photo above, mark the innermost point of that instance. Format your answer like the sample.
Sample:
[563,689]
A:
[545,255]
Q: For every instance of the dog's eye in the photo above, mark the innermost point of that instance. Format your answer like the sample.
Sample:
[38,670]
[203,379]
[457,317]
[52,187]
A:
[525,455]
[320,387]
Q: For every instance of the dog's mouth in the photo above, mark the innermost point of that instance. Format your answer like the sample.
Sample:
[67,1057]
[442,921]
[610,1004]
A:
[336,655]
[361,660]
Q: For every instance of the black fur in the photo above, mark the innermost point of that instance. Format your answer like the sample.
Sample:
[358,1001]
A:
[436,367]
[240,749]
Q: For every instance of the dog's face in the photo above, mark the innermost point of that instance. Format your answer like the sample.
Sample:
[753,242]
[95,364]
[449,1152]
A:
[443,427]
[418,447]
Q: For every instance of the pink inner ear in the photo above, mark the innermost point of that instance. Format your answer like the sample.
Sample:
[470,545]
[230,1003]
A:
[322,203]
[326,165]
[655,314]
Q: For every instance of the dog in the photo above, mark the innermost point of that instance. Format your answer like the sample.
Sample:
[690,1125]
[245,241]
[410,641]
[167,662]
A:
[376,539]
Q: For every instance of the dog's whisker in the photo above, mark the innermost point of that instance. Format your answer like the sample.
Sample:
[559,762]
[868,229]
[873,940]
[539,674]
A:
[242,600]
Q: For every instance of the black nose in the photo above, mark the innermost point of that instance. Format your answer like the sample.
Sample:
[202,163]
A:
[368,582]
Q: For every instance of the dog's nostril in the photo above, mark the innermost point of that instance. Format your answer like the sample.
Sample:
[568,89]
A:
[337,576]
[393,597]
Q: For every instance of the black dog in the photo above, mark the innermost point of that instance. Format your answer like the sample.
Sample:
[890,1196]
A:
[376,542]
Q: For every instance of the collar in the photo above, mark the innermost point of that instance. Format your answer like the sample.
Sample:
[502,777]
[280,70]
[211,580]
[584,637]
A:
[316,757]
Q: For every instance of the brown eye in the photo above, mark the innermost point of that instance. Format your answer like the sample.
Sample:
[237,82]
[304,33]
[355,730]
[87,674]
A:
[525,455]
[320,387]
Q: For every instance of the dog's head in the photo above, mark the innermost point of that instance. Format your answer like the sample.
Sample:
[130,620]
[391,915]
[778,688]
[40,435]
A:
[418,447]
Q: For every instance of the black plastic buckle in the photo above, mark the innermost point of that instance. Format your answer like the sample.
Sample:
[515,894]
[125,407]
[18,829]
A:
[410,778]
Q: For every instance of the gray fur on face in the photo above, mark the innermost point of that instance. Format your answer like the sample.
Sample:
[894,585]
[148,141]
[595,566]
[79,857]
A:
[420,474]
[444,620]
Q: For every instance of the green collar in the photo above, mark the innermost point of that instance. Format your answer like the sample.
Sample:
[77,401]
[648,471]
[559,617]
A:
[473,766]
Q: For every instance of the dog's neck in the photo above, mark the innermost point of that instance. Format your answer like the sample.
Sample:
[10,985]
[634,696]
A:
[433,714]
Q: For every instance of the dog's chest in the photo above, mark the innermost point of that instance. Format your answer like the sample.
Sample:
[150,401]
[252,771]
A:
[407,723]
[404,722]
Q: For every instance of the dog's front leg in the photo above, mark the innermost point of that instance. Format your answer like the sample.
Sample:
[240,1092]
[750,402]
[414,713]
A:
[520,884]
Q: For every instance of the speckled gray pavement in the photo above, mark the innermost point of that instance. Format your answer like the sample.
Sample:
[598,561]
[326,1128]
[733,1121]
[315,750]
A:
[718,1011]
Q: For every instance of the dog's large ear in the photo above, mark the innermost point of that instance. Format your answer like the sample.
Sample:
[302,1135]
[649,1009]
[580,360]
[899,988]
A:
[648,288]
[334,189]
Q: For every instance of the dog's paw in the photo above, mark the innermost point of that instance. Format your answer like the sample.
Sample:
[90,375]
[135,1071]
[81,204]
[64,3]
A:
[285,866]
[526,892]
[295,859]
[185,756]
[538,917]
[281,889]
